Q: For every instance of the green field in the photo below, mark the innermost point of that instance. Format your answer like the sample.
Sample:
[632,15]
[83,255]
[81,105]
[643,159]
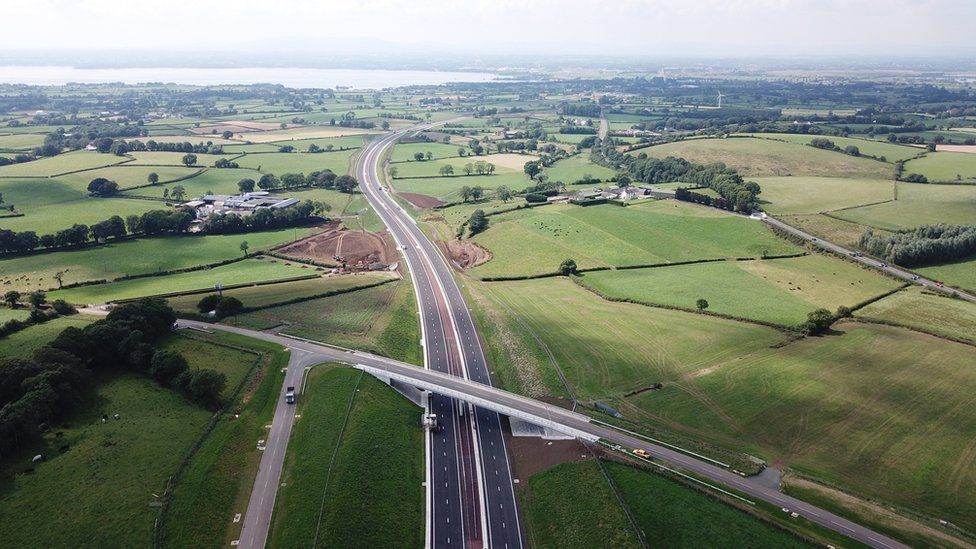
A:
[52,204]
[838,231]
[781,291]
[354,468]
[270,294]
[129,176]
[446,188]
[575,167]
[538,240]
[213,180]
[607,348]
[945,166]
[250,270]
[21,142]
[160,158]
[765,157]
[798,195]
[296,162]
[110,472]
[674,516]
[884,412]
[890,151]
[961,274]
[918,204]
[572,505]
[925,311]
[403,152]
[130,257]
[218,480]
[381,320]
[351,313]
[25,342]
[62,163]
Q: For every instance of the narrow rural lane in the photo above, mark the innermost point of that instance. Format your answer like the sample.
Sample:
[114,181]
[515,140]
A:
[571,421]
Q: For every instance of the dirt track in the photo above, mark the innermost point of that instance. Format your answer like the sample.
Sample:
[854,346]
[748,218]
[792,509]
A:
[357,248]
[467,254]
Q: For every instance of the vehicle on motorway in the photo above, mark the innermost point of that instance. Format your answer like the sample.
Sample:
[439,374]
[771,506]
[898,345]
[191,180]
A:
[641,454]
[290,395]
[431,424]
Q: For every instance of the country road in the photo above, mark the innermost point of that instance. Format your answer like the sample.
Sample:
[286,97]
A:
[434,380]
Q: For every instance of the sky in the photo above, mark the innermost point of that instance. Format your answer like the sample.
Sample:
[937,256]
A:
[652,28]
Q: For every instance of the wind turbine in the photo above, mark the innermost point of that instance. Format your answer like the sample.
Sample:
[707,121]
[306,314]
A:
[720,96]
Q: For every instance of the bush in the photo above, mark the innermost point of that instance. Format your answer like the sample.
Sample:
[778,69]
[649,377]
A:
[535,197]
[818,321]
[567,267]
[228,306]
[167,366]
[62,307]
[204,386]
[208,303]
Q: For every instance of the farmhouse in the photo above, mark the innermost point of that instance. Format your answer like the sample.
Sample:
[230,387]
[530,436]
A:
[242,204]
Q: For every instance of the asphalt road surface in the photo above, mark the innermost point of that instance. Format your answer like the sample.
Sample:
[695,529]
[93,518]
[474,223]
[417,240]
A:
[432,380]
[471,498]
[871,262]
[257,519]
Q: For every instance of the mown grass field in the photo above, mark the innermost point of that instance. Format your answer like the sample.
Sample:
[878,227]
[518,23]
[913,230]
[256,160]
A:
[49,205]
[675,516]
[918,204]
[572,505]
[765,157]
[130,257]
[250,270]
[838,231]
[403,152]
[800,195]
[925,311]
[372,491]
[961,274]
[269,294]
[890,151]
[165,158]
[607,348]
[62,163]
[298,162]
[505,164]
[537,240]
[218,479]
[25,342]
[351,313]
[781,291]
[381,320]
[128,176]
[98,492]
[945,166]
[446,188]
[219,181]
[575,167]
[301,133]
[885,412]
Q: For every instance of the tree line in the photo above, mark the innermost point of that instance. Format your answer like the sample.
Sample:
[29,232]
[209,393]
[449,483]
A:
[36,391]
[742,195]
[926,245]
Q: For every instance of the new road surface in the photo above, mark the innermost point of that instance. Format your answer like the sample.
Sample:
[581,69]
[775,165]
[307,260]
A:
[471,494]
[571,422]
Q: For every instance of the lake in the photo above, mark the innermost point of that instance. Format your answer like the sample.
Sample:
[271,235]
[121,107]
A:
[286,76]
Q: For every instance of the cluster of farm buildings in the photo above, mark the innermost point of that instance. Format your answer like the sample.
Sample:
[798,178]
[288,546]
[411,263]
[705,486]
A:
[240,204]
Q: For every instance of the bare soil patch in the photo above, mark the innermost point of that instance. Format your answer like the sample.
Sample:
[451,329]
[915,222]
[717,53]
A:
[359,249]
[421,200]
[467,254]
[531,455]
